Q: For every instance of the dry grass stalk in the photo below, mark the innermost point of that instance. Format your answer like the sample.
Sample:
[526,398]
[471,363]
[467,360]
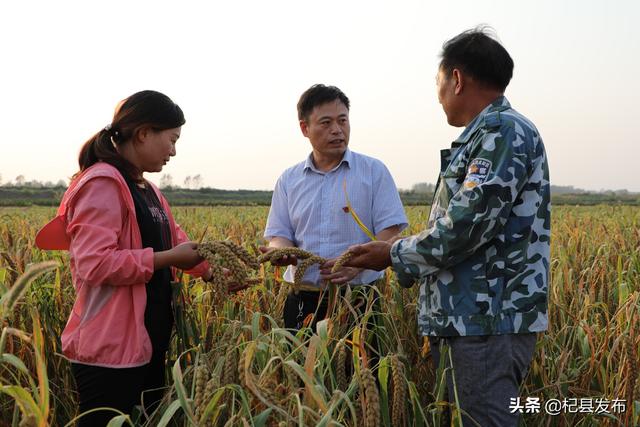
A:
[631,368]
[341,260]
[242,373]
[28,421]
[209,390]
[237,260]
[276,254]
[302,267]
[230,370]
[244,255]
[371,405]
[201,376]
[341,368]
[219,253]
[399,391]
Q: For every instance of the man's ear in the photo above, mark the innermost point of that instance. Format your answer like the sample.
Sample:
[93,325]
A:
[304,127]
[458,80]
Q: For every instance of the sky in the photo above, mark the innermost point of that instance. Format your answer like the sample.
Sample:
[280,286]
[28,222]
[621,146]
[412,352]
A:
[237,69]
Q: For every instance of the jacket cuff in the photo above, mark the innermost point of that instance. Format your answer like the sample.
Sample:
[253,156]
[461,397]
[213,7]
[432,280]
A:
[147,263]
[406,279]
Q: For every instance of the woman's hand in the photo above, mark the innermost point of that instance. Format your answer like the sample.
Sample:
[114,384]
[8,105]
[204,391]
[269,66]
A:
[184,256]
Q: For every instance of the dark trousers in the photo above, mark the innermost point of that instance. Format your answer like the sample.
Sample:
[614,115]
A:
[488,372]
[118,388]
[298,307]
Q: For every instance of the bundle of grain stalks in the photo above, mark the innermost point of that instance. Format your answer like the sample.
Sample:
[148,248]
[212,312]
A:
[237,261]
[305,260]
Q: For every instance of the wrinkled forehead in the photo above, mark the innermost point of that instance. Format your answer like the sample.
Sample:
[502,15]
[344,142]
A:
[335,108]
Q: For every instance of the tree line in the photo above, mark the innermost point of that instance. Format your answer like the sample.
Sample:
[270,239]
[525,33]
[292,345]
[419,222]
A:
[23,192]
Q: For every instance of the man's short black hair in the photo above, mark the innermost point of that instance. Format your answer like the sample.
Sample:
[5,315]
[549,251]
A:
[319,94]
[481,56]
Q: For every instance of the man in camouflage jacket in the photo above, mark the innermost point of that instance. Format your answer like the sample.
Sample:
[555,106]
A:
[483,261]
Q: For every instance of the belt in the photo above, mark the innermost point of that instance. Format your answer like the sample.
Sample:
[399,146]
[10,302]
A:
[309,287]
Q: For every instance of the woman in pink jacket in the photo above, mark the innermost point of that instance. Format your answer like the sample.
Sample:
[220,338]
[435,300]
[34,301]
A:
[124,246]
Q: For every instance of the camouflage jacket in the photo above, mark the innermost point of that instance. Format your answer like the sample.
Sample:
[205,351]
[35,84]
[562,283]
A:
[483,261]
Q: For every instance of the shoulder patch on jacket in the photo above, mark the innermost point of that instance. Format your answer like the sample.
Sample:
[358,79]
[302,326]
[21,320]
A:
[477,172]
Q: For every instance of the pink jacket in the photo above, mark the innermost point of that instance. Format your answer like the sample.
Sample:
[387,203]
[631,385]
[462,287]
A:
[96,222]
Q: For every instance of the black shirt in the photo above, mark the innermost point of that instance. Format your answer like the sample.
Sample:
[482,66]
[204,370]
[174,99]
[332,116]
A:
[156,233]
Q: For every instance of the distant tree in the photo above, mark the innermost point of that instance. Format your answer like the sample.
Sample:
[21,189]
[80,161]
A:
[187,182]
[566,189]
[423,188]
[34,183]
[166,181]
[61,183]
[20,180]
[196,181]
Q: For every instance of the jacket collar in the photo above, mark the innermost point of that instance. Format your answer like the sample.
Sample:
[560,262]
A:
[486,117]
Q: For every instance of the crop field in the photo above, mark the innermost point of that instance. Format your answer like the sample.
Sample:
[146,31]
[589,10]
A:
[232,363]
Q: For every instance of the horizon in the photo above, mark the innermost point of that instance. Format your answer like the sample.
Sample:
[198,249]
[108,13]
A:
[238,69]
[184,186]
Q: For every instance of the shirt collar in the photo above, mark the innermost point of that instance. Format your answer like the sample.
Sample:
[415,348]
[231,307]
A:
[499,104]
[346,158]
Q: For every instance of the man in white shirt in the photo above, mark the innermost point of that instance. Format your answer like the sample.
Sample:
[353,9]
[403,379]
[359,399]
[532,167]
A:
[309,206]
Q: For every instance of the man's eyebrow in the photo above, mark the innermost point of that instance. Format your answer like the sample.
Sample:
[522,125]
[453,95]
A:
[341,116]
